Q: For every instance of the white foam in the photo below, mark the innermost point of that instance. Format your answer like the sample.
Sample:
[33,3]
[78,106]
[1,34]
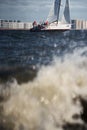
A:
[48,101]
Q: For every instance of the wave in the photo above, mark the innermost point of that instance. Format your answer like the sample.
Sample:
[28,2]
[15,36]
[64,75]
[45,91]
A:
[51,100]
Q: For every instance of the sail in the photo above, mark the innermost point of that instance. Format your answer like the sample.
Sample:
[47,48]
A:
[57,8]
[54,13]
[66,14]
[51,17]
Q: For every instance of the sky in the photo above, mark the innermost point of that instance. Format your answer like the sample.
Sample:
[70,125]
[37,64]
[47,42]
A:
[30,10]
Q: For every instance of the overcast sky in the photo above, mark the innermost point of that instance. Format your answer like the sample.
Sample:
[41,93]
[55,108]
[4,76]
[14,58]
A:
[30,10]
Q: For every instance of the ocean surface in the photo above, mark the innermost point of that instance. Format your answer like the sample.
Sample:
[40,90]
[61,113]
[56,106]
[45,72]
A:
[43,80]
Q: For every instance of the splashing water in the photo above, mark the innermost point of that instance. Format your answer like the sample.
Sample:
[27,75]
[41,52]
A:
[52,98]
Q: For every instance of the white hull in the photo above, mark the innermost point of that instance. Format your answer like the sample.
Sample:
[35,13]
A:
[58,26]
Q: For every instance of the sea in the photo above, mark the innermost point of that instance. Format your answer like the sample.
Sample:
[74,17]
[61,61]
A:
[43,80]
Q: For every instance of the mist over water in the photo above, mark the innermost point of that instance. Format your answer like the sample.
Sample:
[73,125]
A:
[52,98]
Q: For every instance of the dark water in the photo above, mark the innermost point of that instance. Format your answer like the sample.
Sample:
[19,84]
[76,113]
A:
[23,49]
[47,72]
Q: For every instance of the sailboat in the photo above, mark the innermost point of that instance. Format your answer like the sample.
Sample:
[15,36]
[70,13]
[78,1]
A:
[53,20]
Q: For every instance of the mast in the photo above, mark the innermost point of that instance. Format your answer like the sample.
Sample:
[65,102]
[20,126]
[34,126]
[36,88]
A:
[57,8]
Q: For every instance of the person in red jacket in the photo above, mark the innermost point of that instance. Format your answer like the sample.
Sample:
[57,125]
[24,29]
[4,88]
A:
[34,23]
